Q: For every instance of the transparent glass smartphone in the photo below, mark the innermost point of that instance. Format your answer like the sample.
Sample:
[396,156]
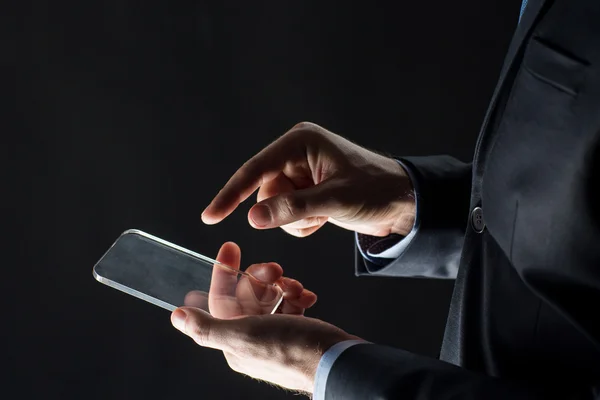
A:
[170,276]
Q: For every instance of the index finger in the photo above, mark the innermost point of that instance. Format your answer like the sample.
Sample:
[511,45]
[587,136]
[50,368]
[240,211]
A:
[261,168]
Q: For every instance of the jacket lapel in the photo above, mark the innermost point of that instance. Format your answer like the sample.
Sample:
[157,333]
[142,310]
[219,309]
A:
[518,41]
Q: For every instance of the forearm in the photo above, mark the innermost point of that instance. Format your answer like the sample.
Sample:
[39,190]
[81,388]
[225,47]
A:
[374,371]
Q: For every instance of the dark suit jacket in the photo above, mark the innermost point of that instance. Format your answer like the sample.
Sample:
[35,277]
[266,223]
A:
[524,321]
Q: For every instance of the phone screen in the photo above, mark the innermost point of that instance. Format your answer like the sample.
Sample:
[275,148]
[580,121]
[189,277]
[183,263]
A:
[170,276]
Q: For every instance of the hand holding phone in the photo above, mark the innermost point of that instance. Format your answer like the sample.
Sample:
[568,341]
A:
[170,276]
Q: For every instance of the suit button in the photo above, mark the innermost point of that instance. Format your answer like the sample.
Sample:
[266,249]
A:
[477,219]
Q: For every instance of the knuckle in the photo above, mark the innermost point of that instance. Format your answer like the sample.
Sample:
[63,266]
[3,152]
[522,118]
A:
[261,194]
[201,334]
[304,125]
[318,221]
[291,231]
[294,205]
[254,267]
[233,362]
[235,365]
[306,131]
[299,233]
[309,222]
[305,232]
[249,166]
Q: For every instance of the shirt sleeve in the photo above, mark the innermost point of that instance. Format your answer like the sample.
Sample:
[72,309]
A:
[326,363]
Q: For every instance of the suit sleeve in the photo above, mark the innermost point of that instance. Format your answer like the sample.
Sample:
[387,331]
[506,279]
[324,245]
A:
[565,276]
[444,190]
[370,371]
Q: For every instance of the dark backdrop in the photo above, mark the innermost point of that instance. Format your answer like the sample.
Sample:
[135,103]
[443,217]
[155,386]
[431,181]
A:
[126,114]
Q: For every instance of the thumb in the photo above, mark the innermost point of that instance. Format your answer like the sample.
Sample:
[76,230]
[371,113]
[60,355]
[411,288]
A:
[322,200]
[204,329]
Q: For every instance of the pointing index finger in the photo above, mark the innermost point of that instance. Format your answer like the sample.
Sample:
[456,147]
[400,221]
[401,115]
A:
[261,168]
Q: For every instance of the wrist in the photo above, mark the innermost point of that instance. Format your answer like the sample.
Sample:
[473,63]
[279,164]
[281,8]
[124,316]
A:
[405,204]
[404,224]
[323,347]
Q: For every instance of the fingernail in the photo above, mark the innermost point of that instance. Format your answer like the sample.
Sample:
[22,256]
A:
[178,319]
[261,215]
[203,217]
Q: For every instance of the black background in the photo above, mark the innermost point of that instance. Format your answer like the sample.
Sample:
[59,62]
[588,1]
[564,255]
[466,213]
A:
[126,114]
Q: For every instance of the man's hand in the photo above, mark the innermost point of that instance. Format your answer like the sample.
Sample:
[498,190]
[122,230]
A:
[255,292]
[310,176]
[281,349]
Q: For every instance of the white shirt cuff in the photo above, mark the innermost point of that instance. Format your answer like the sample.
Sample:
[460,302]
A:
[326,363]
[396,250]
